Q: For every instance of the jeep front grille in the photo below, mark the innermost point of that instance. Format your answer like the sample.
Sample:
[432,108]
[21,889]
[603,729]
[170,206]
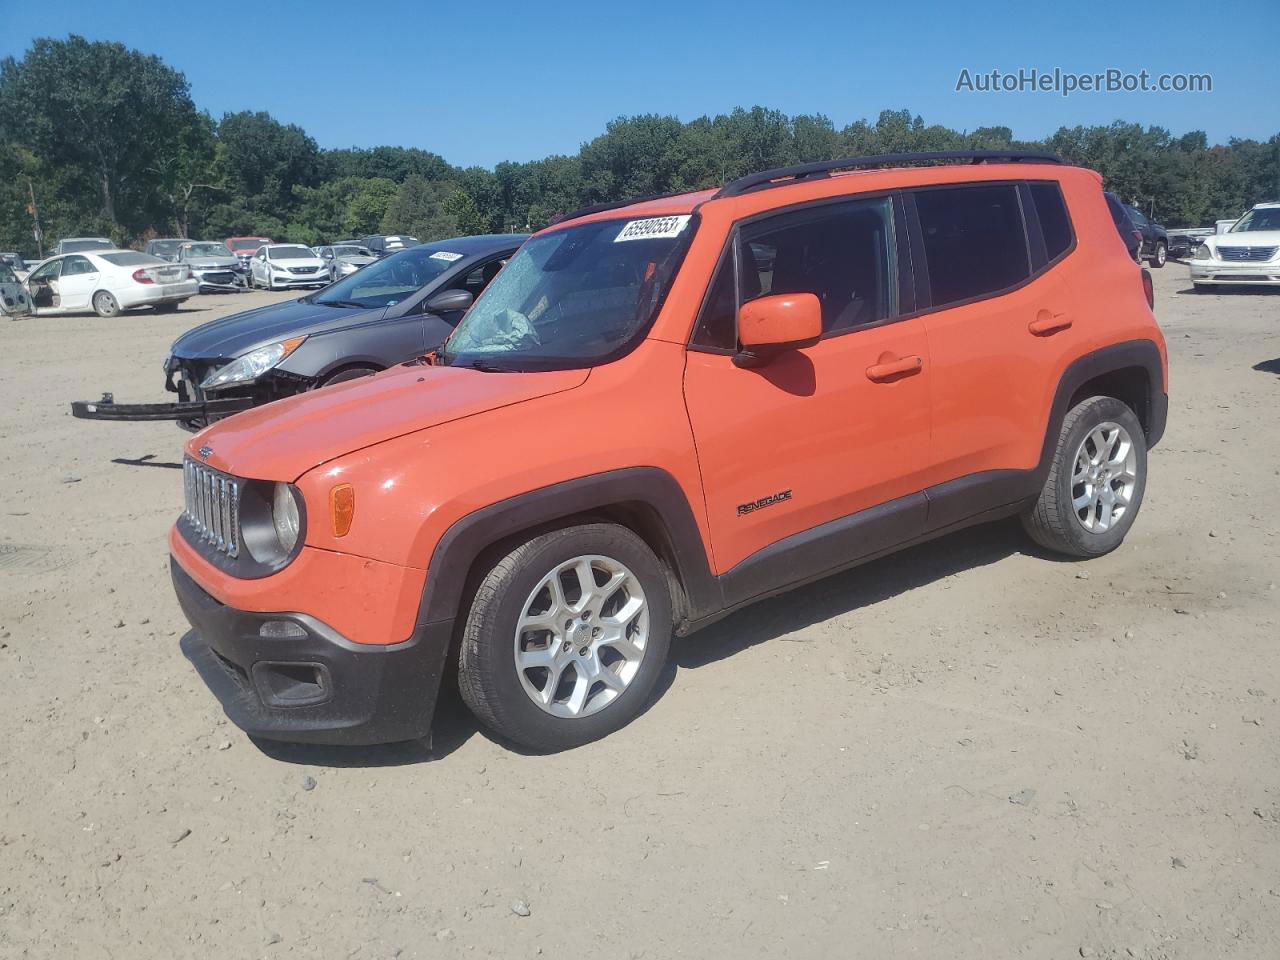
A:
[1247,254]
[213,506]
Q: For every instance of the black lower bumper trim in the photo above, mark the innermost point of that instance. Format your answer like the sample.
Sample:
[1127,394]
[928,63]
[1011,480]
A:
[305,683]
[101,410]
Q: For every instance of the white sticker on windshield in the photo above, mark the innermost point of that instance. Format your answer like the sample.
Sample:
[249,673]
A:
[446,255]
[655,228]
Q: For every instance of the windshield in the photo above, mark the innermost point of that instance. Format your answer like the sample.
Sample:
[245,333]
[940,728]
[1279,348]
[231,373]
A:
[247,243]
[1264,219]
[388,281]
[574,297]
[12,259]
[162,247]
[131,259]
[74,246]
[207,250]
[7,275]
[290,253]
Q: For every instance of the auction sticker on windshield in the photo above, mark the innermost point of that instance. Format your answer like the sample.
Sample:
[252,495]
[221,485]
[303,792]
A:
[446,255]
[655,228]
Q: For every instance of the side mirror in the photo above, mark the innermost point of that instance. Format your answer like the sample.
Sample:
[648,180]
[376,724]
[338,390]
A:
[449,301]
[772,325]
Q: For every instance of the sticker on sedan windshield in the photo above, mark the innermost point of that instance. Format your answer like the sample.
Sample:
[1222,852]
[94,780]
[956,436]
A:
[655,228]
[446,255]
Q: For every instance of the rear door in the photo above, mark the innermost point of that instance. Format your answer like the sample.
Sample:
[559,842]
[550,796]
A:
[823,433]
[999,317]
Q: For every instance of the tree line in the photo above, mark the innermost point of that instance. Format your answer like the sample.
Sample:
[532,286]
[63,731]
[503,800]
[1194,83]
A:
[97,139]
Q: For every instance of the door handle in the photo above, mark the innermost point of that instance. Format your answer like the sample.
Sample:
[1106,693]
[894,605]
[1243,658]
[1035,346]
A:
[893,369]
[1047,323]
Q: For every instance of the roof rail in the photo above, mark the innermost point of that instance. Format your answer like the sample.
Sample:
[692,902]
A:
[785,175]
[614,205]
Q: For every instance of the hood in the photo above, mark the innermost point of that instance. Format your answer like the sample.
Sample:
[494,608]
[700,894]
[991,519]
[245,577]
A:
[212,263]
[241,332]
[1248,238]
[283,440]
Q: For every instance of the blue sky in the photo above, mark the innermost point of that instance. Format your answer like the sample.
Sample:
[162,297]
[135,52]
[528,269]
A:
[484,82]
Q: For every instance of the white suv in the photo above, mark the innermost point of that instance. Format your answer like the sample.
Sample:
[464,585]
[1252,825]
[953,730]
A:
[1248,253]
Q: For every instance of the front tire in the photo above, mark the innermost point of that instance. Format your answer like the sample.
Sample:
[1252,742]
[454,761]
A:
[1161,255]
[566,637]
[1096,481]
[105,305]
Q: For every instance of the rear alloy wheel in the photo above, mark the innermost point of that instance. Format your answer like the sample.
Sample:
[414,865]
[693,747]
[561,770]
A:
[1161,255]
[1096,481]
[566,637]
[105,305]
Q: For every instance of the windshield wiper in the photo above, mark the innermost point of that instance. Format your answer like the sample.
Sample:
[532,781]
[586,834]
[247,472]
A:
[488,366]
[341,303]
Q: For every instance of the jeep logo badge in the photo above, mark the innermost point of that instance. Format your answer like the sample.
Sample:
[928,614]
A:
[205,451]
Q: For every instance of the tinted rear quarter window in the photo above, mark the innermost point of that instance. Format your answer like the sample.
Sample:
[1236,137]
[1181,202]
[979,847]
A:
[1055,224]
[974,241]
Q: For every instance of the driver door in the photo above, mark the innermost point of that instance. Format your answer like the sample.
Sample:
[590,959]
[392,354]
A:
[42,285]
[78,281]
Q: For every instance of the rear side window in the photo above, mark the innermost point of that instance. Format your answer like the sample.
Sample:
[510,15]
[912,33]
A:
[974,241]
[1055,225]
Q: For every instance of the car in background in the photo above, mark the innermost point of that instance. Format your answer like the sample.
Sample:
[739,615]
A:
[166,248]
[344,259]
[13,295]
[108,283]
[82,245]
[384,244]
[216,269]
[1155,239]
[15,263]
[1184,240]
[245,247]
[1128,231]
[1248,253]
[285,266]
[394,310]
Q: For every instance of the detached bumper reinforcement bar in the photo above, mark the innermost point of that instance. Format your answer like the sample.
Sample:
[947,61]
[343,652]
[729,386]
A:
[108,409]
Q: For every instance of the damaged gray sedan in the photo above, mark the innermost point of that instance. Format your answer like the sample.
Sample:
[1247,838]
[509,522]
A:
[214,266]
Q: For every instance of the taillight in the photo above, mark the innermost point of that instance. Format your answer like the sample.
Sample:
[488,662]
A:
[141,276]
[1148,288]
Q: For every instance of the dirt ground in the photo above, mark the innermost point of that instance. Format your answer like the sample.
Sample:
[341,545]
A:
[965,751]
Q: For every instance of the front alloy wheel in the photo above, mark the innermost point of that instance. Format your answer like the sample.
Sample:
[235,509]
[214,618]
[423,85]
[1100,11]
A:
[566,637]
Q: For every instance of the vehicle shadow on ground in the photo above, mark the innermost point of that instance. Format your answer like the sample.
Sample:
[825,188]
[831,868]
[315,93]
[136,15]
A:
[1268,366]
[767,620]
[146,460]
[1225,290]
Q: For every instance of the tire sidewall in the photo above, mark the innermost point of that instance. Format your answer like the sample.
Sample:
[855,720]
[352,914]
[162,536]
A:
[1103,409]
[541,729]
[114,309]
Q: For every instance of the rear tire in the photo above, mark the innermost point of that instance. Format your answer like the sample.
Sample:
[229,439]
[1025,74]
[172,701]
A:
[105,305]
[1096,481]
[590,670]
[1161,255]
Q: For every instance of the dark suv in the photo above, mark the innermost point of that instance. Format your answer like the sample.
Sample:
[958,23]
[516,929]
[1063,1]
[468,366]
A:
[1155,239]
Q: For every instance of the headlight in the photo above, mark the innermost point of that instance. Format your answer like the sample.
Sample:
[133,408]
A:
[1202,253]
[284,516]
[252,365]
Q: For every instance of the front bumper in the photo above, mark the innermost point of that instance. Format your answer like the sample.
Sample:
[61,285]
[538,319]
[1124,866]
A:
[216,281]
[1221,271]
[310,280]
[304,682]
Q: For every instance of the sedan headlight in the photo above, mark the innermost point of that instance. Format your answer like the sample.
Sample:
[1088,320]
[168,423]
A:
[284,516]
[252,365]
[1202,253]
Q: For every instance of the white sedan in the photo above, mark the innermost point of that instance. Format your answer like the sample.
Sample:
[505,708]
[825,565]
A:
[108,282]
[281,266]
[1248,253]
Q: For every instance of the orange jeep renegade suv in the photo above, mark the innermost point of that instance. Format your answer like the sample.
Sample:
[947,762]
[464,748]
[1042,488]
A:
[657,413]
